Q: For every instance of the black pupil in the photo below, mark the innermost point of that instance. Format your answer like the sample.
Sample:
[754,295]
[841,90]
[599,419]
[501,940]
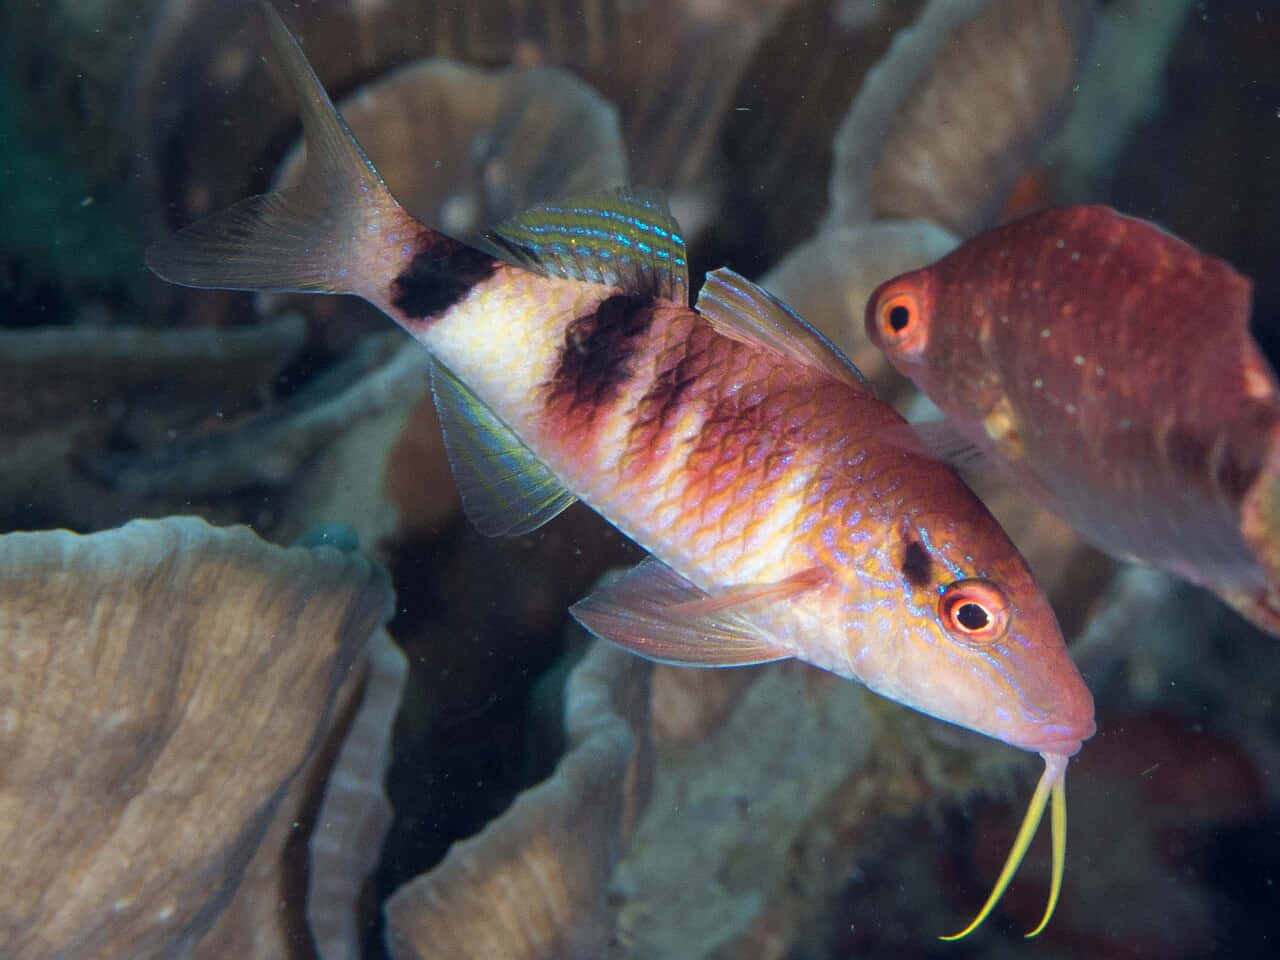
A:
[899,317]
[971,616]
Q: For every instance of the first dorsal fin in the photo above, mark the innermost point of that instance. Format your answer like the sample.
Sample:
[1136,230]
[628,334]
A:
[741,310]
[626,238]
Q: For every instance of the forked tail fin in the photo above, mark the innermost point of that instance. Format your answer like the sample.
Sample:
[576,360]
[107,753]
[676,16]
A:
[328,234]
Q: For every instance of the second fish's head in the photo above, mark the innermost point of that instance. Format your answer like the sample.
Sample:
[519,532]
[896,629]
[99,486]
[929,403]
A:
[902,320]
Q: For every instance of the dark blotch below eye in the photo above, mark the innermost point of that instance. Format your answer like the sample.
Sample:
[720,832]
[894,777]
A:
[916,564]
[972,616]
[899,317]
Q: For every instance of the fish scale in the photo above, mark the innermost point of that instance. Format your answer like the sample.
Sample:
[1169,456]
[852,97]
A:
[729,439]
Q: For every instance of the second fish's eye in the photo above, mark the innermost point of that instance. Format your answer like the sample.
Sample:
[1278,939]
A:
[901,326]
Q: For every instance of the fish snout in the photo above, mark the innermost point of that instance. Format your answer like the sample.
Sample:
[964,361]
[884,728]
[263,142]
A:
[1063,740]
[1064,726]
[1047,707]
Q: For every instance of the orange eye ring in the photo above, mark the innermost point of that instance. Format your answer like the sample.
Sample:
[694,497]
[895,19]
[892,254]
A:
[975,612]
[899,322]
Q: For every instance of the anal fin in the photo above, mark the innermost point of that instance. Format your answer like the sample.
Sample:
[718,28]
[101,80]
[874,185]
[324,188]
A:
[506,489]
[655,613]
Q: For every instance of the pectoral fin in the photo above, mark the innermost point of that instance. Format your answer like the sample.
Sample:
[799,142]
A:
[937,440]
[655,613]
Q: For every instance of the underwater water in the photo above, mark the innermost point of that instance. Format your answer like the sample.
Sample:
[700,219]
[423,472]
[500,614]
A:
[361,728]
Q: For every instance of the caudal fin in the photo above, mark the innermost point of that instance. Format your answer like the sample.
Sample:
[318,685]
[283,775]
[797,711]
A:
[320,236]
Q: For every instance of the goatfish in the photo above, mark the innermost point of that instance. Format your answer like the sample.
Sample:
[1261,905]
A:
[730,440]
[1106,367]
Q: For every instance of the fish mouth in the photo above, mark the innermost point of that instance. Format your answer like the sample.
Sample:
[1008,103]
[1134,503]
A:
[1062,740]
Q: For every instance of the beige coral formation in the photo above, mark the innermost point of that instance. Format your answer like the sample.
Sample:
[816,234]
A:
[64,390]
[957,110]
[163,684]
[346,841]
[534,883]
[206,59]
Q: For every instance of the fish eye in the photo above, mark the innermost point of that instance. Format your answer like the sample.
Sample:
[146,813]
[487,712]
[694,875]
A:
[974,611]
[900,324]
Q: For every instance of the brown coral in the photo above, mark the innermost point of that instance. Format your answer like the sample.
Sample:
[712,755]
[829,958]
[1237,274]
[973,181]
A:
[534,883]
[162,685]
[956,111]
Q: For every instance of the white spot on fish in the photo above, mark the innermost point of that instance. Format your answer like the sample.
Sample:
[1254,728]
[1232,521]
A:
[1071,409]
[1061,244]
[1044,333]
[1037,383]
[1079,360]
[1075,256]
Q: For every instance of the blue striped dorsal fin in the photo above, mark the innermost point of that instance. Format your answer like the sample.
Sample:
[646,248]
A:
[506,490]
[626,238]
[741,310]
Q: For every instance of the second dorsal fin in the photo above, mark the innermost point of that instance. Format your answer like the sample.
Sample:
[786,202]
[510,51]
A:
[741,310]
[626,238]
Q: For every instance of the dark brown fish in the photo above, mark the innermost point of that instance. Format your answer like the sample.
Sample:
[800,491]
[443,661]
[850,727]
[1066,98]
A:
[1109,366]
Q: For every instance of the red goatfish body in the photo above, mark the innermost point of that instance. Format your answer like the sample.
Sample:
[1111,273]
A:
[1108,366]
[730,441]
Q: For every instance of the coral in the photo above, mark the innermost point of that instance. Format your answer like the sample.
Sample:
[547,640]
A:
[346,843]
[714,866]
[956,111]
[670,66]
[67,392]
[534,883]
[163,684]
